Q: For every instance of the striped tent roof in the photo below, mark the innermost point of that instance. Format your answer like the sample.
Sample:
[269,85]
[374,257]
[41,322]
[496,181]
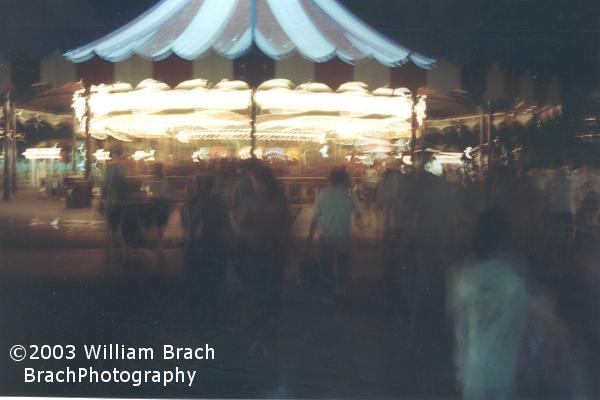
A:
[319,30]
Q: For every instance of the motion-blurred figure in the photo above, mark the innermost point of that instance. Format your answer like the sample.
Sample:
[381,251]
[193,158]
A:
[368,194]
[584,303]
[489,300]
[430,254]
[333,214]
[113,201]
[588,211]
[395,199]
[509,342]
[207,234]
[262,222]
[159,212]
[559,221]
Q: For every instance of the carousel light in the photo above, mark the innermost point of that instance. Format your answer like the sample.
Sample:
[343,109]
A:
[154,101]
[449,158]
[293,153]
[78,105]
[218,152]
[42,153]
[193,112]
[350,103]
[244,153]
[276,152]
[136,112]
[421,109]
[200,155]
[102,155]
[144,155]
[324,151]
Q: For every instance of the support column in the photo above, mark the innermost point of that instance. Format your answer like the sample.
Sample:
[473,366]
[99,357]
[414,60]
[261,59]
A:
[88,139]
[6,148]
[490,139]
[481,130]
[13,120]
[74,126]
[413,134]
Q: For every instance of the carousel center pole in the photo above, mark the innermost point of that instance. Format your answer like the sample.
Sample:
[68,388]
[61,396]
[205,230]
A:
[252,124]
[252,99]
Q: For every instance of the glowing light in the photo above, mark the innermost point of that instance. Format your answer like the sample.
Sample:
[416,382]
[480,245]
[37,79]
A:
[144,155]
[155,101]
[42,153]
[434,167]
[274,152]
[293,153]
[276,84]
[152,111]
[449,158]
[193,112]
[353,87]
[200,155]
[420,109]
[218,152]
[342,116]
[244,152]
[324,151]
[102,155]
[349,104]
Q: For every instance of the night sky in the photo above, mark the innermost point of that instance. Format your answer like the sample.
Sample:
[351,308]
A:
[546,37]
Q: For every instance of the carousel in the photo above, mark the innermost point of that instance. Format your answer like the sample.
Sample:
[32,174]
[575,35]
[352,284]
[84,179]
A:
[303,126]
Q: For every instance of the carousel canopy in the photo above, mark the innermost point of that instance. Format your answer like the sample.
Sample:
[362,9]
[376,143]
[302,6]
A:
[317,29]
[51,106]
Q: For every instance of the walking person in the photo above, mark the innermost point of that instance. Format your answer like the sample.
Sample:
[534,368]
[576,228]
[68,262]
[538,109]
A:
[333,214]
[207,234]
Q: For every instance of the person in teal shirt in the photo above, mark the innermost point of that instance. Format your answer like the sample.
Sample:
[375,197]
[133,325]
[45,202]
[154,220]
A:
[333,214]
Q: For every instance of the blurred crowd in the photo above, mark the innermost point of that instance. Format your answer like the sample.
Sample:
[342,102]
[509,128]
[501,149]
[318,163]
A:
[493,275]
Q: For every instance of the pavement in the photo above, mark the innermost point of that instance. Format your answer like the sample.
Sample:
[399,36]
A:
[58,286]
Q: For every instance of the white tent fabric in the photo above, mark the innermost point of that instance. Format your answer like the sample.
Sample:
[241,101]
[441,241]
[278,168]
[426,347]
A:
[317,29]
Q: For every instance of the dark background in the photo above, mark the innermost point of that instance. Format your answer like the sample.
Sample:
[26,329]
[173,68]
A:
[545,37]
